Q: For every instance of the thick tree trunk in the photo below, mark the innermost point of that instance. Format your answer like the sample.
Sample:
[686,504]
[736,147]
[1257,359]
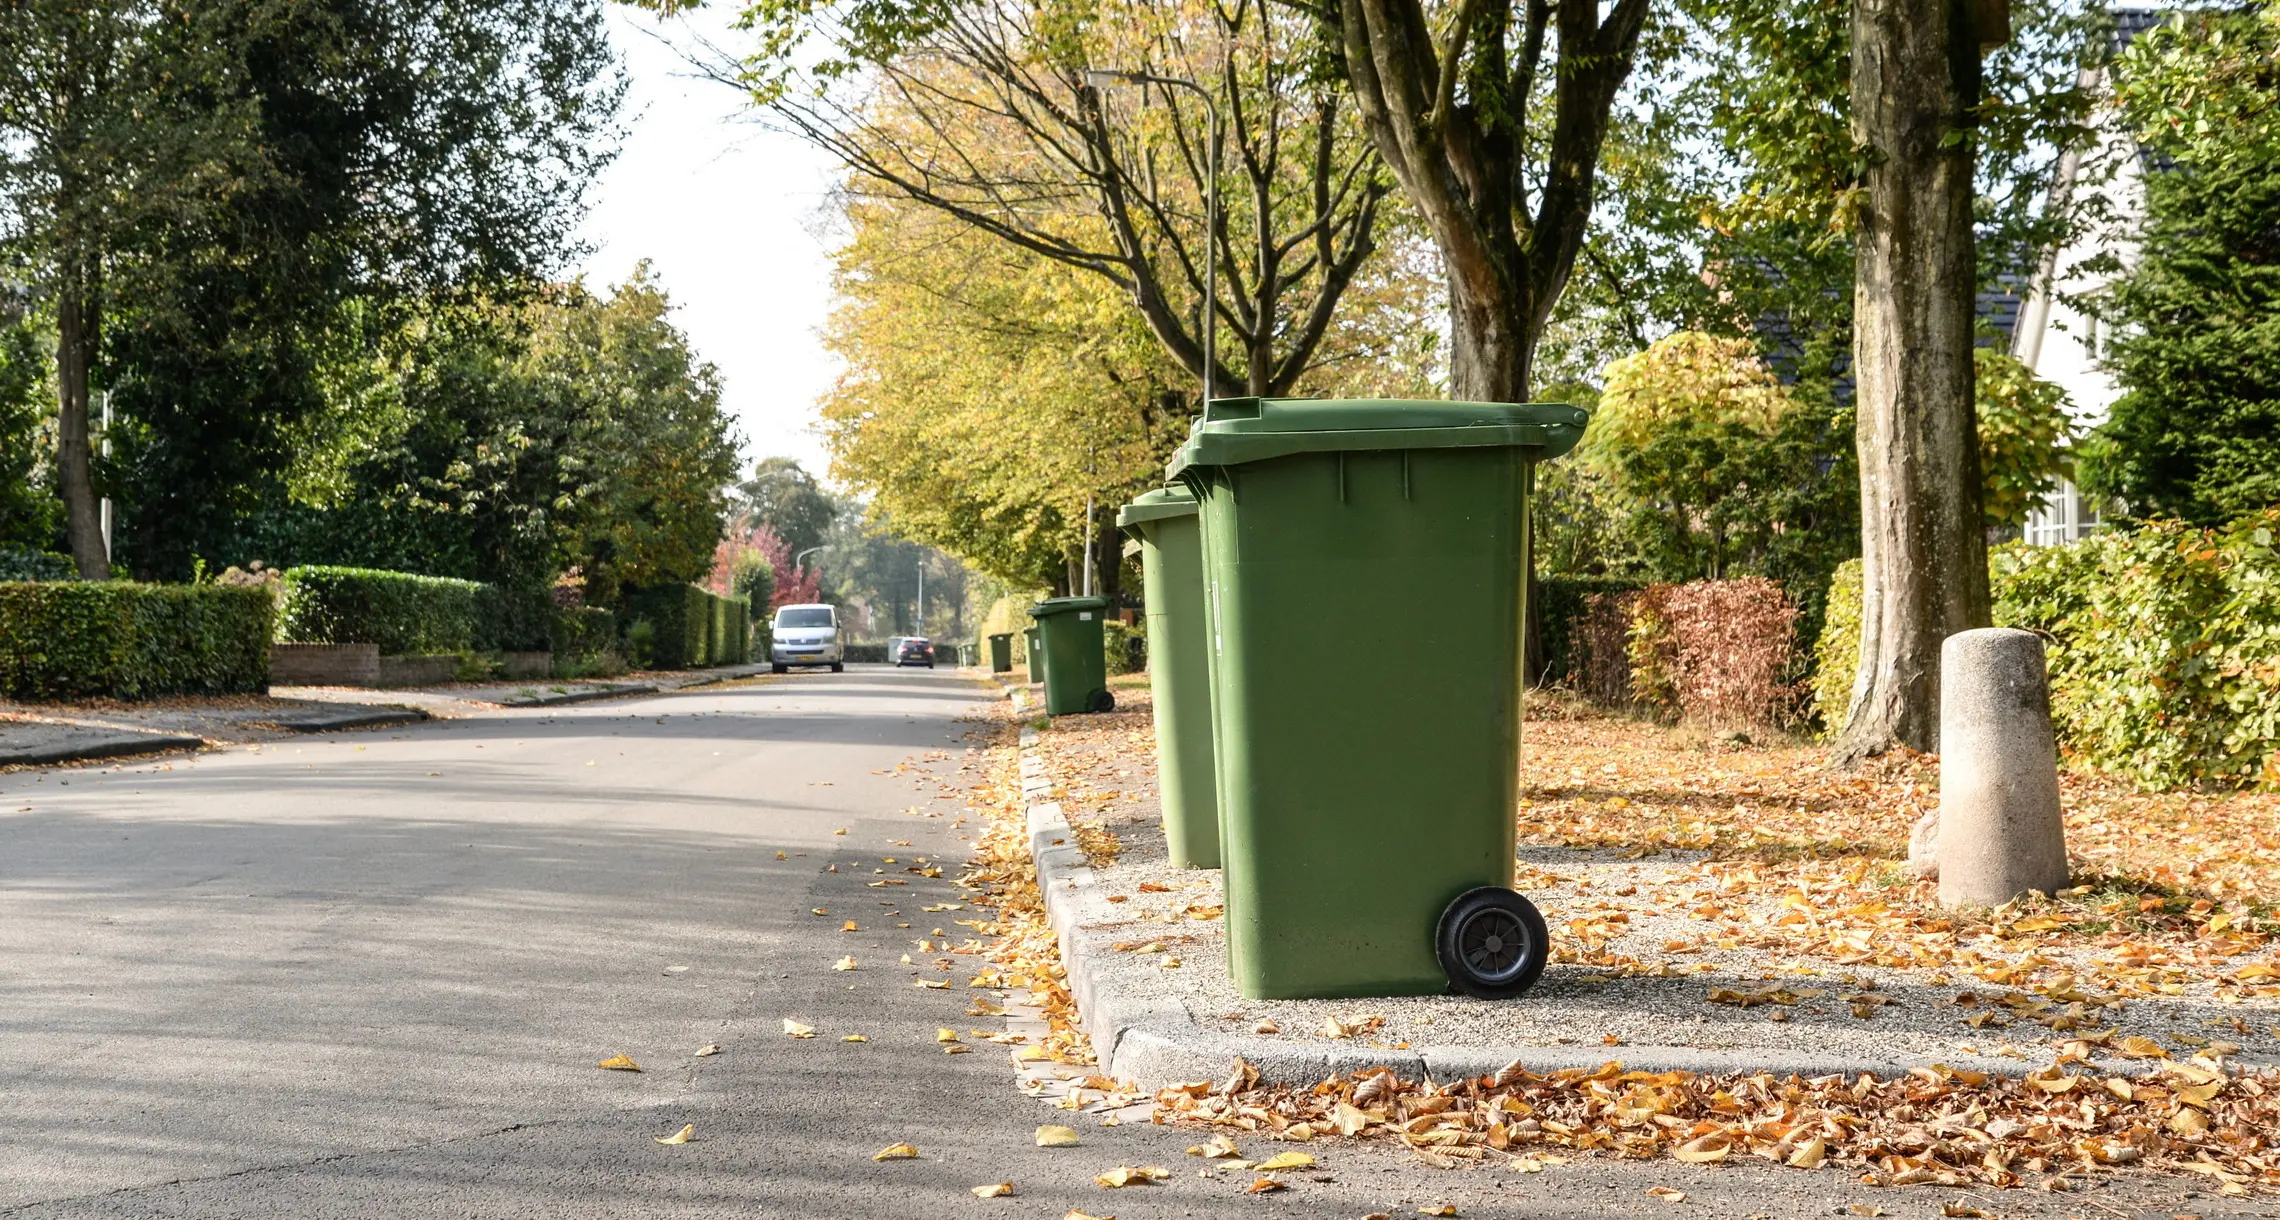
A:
[1491,345]
[1915,75]
[76,328]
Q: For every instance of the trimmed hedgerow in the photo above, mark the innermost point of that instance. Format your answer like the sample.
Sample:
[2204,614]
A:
[582,631]
[123,640]
[683,627]
[2163,646]
[406,615]
[514,620]
[18,563]
[1126,647]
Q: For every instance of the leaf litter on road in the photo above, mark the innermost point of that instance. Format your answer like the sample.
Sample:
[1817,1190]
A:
[619,1063]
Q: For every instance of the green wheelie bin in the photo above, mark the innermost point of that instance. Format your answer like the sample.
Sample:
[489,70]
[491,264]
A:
[1001,652]
[1365,567]
[1179,670]
[1033,655]
[1076,659]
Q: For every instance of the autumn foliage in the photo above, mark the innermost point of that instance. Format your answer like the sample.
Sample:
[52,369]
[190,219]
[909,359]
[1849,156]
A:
[1715,652]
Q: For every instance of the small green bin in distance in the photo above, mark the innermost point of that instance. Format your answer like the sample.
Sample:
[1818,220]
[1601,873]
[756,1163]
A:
[1365,571]
[1001,652]
[1034,655]
[1179,670]
[1076,658]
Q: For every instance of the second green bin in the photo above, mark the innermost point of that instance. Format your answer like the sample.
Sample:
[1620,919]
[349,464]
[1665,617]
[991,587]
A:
[1179,670]
[1365,573]
[1076,664]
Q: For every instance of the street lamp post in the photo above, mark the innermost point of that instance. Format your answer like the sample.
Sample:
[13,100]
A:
[1101,78]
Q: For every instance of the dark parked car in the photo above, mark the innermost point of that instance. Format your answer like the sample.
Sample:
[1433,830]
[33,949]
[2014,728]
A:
[915,650]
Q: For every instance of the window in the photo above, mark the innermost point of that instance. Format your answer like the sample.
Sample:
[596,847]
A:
[804,616]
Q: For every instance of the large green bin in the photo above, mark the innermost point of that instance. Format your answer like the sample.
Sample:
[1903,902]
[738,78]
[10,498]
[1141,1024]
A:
[1179,670]
[1076,661]
[1001,652]
[1365,575]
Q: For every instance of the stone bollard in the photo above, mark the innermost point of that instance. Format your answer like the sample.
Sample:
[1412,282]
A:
[2000,832]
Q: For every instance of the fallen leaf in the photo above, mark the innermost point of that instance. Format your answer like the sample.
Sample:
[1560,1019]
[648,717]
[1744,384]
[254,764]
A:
[797,1030]
[849,926]
[995,1190]
[945,1035]
[1438,1209]
[1074,1214]
[842,830]
[1865,1209]
[1050,1136]
[896,1152]
[1960,1208]
[854,1038]
[1809,1154]
[1264,1186]
[1126,1175]
[1666,1194]
[1266,1027]
[2137,1047]
[1708,1150]
[936,984]
[1285,1160]
[682,1136]
[619,1063]
[845,963]
[709,1048]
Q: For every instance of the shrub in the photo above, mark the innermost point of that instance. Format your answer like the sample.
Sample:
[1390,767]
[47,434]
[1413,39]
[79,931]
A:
[1599,648]
[402,613]
[1712,651]
[124,640]
[515,620]
[1730,643]
[1561,612]
[871,654]
[1836,655]
[17,563]
[1126,646]
[683,626]
[582,632]
[2163,645]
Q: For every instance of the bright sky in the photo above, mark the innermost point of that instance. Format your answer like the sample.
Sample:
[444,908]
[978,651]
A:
[730,214]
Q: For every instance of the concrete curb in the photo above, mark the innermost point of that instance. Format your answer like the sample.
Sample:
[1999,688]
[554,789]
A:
[360,718]
[581,696]
[1154,1040]
[111,745]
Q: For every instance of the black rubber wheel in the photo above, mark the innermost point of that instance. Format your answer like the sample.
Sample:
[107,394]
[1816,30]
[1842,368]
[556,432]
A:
[838,668]
[1100,701]
[1493,943]
[780,668]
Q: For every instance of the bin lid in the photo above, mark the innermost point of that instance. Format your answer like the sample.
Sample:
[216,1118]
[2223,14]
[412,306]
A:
[1238,430]
[1156,505]
[1064,605]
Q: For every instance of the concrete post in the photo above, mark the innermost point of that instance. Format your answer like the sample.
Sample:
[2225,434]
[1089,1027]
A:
[2000,831]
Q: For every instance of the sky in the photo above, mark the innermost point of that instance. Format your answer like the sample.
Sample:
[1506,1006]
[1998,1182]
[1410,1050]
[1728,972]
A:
[729,215]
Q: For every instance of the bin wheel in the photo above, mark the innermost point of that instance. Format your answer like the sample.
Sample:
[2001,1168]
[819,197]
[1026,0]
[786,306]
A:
[779,668]
[1100,701]
[838,667]
[1493,943]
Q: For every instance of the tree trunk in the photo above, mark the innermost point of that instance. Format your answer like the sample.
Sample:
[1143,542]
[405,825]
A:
[76,328]
[1490,343]
[1915,76]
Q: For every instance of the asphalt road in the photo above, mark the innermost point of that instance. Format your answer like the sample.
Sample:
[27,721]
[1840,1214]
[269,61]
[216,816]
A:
[370,974]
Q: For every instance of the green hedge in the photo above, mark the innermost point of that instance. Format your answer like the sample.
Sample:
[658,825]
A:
[869,654]
[582,631]
[514,620]
[2164,647]
[1561,603]
[683,627]
[1126,647]
[17,563]
[405,615]
[123,640]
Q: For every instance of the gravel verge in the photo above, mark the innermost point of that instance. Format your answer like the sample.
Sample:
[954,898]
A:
[1148,968]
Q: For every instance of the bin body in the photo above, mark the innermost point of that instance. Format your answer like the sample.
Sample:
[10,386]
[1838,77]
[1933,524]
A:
[1365,574]
[1076,658]
[1001,652]
[1033,656]
[1179,671]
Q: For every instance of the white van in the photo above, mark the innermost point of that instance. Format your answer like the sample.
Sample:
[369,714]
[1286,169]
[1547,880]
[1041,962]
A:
[807,635]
